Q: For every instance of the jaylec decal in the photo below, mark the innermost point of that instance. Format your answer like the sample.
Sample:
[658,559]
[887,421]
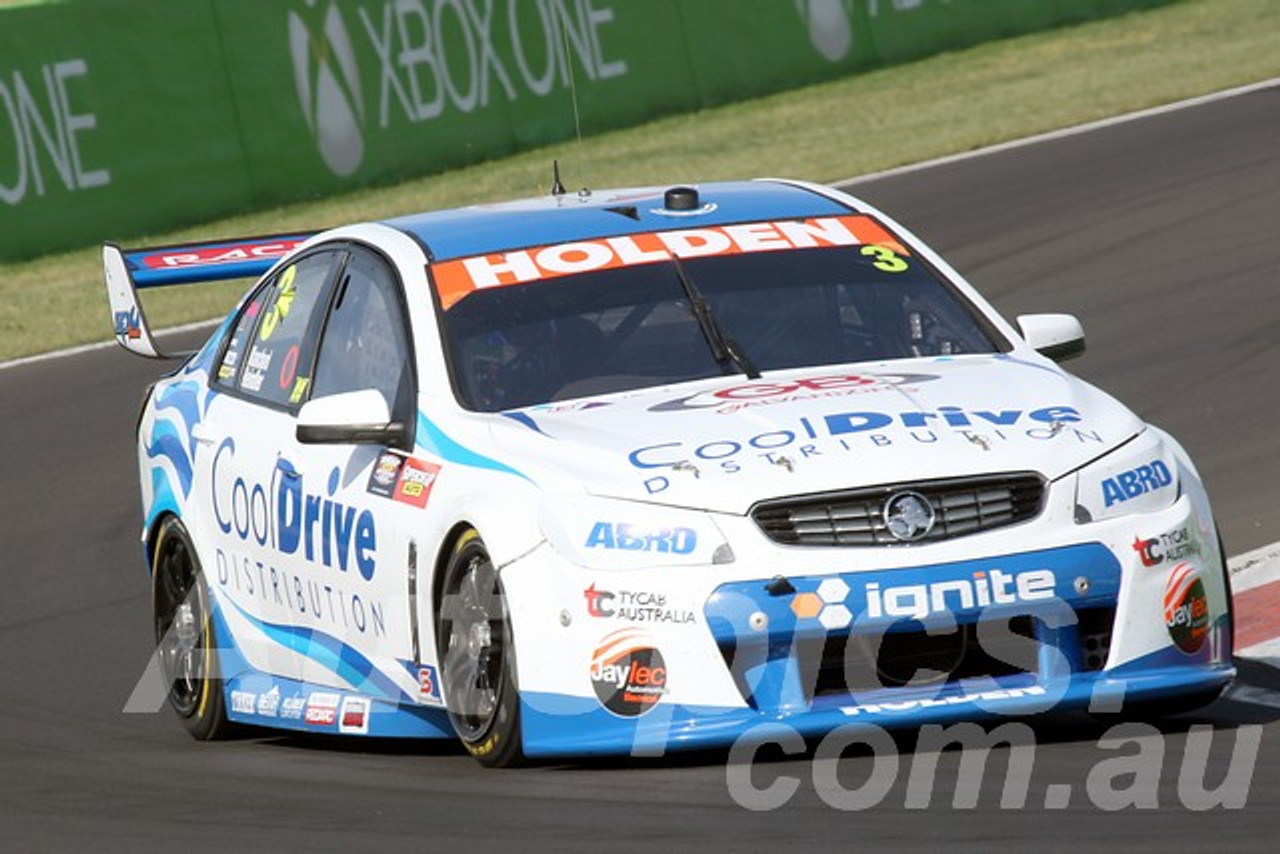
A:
[404,479]
[628,673]
[634,606]
[336,543]
[436,55]
[1171,546]
[739,397]
[455,279]
[639,538]
[844,432]
[1186,608]
[1152,477]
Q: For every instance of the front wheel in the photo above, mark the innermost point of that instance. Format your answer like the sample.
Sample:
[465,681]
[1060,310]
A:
[477,656]
[185,637]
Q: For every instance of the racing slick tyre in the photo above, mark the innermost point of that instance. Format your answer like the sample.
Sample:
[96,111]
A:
[185,637]
[477,656]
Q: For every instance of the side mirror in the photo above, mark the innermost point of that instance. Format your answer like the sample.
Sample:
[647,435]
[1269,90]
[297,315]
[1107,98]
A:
[1058,336]
[350,418]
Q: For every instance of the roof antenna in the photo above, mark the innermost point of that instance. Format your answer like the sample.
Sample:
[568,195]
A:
[573,98]
[557,187]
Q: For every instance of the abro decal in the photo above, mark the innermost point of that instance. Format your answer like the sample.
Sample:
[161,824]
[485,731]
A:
[1126,485]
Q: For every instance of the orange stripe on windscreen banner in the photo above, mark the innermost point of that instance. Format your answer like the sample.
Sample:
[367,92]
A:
[456,278]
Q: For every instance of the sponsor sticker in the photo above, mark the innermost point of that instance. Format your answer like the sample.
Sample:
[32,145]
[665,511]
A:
[322,709]
[1186,608]
[1170,547]
[404,479]
[269,703]
[416,480]
[428,684]
[291,708]
[386,471]
[1127,485]
[628,673]
[634,606]
[355,716]
[639,538]
[243,702]
[129,324]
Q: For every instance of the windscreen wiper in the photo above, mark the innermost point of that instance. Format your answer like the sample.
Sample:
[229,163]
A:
[723,348]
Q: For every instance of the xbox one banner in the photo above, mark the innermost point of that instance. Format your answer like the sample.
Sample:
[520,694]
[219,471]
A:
[119,117]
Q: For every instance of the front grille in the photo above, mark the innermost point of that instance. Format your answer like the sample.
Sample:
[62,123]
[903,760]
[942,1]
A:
[856,517]
[860,664]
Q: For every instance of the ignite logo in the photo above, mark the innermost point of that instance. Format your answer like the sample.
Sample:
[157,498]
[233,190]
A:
[328,82]
[629,675]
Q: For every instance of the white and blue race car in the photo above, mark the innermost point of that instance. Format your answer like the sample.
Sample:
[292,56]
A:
[645,469]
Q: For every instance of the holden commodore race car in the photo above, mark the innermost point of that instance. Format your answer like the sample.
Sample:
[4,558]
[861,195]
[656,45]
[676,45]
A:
[645,469]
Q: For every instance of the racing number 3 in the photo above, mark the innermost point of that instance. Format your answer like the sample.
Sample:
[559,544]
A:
[885,258]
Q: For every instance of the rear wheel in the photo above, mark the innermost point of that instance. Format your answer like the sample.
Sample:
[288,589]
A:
[477,656]
[185,637]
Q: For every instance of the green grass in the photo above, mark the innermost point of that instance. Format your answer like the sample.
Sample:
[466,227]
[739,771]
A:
[949,103]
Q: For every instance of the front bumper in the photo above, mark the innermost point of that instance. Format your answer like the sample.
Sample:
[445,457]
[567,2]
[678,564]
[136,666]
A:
[1074,625]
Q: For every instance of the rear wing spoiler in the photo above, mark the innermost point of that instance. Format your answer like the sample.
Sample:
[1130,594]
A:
[126,270]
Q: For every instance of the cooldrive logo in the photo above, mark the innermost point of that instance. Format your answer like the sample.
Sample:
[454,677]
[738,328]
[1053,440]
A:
[628,673]
[434,57]
[43,122]
[328,83]
[818,438]
[291,551]
[283,516]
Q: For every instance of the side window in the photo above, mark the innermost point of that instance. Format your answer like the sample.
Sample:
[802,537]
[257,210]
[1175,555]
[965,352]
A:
[244,328]
[277,365]
[364,341]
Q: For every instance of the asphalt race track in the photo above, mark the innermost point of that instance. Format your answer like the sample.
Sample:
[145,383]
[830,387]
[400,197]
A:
[1160,234]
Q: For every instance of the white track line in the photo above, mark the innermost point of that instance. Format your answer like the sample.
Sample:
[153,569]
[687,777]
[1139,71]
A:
[1062,133]
[102,345]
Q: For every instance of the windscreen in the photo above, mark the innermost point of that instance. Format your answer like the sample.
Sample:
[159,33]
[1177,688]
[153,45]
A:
[521,331]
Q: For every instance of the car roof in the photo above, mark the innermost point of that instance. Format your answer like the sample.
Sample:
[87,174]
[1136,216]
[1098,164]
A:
[485,229]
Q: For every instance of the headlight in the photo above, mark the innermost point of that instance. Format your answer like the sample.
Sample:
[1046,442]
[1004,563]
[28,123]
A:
[604,533]
[1140,477]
